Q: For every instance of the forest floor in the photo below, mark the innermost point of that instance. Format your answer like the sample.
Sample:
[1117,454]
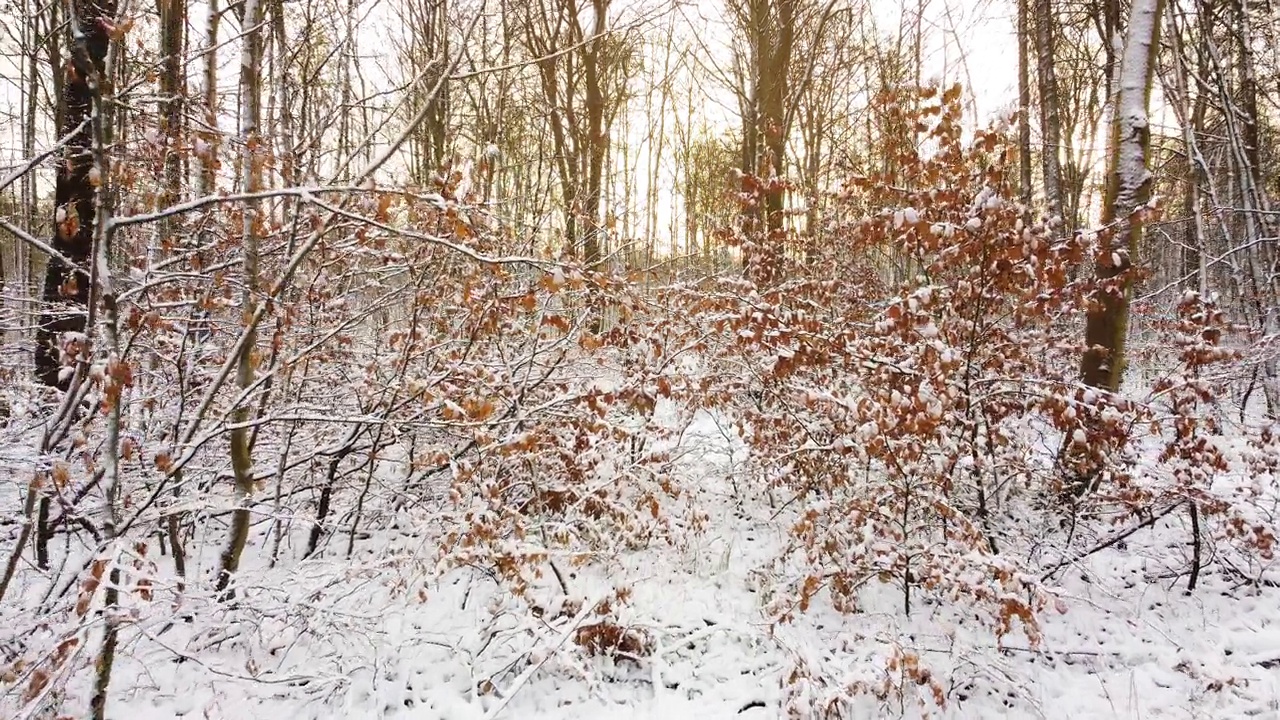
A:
[368,637]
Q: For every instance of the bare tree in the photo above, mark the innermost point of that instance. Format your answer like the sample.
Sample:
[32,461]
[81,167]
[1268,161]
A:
[770,79]
[1050,119]
[578,58]
[251,154]
[420,56]
[1024,106]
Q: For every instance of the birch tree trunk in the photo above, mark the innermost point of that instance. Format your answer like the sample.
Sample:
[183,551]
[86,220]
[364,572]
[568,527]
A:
[1128,191]
[208,137]
[1050,115]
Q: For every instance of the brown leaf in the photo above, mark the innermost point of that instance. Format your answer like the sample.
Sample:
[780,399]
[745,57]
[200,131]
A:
[89,587]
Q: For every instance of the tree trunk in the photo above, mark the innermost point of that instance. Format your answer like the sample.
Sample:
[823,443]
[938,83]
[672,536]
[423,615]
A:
[766,128]
[1024,110]
[1256,204]
[597,138]
[250,117]
[66,289]
[1050,116]
[1190,116]
[436,125]
[1128,191]
[208,134]
[173,20]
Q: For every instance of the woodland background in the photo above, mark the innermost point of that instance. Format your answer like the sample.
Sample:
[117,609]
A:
[453,358]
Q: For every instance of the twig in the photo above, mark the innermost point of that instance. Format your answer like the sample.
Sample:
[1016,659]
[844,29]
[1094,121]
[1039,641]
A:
[28,511]
[1195,545]
[1111,541]
[26,167]
[519,682]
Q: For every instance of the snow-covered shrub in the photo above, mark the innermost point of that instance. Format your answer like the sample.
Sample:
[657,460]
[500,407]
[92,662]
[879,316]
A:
[931,444]
[893,434]
[429,402]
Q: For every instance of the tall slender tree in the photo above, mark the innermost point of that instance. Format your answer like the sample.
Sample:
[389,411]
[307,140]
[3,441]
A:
[1024,107]
[764,66]
[578,58]
[251,159]
[1050,115]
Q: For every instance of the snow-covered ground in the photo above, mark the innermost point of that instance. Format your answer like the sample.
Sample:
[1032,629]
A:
[373,637]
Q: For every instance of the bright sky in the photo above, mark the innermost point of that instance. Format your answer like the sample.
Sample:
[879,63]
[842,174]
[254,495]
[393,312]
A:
[970,41]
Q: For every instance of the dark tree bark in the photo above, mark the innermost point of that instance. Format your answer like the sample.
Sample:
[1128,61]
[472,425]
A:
[173,22]
[578,70]
[436,124]
[597,138]
[770,26]
[66,288]
[173,19]
[424,54]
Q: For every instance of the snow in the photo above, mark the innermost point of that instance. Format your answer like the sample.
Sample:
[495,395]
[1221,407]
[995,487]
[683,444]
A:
[1135,77]
[376,636]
